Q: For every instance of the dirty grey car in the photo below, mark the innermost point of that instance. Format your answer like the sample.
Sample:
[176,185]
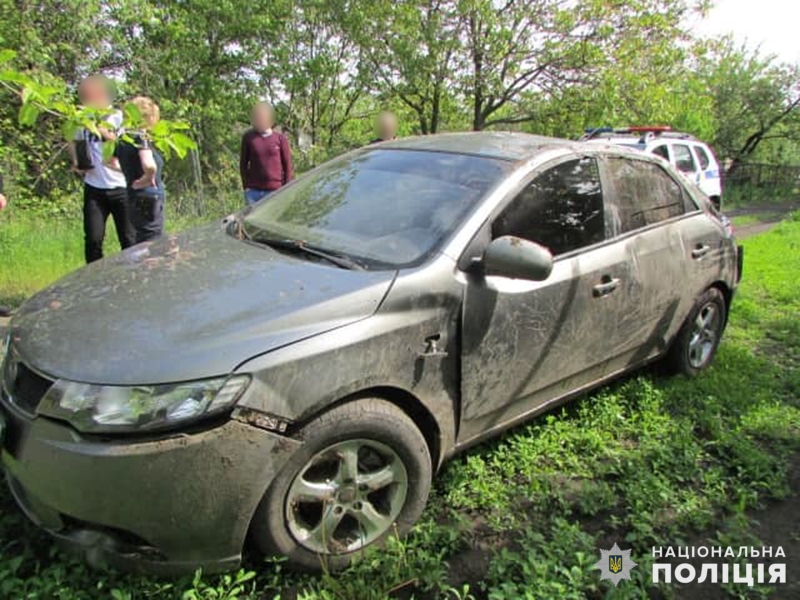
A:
[296,374]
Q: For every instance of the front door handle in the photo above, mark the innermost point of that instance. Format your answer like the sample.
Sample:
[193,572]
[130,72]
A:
[608,285]
[700,251]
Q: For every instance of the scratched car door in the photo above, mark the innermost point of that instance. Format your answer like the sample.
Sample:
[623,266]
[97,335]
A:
[649,208]
[524,342]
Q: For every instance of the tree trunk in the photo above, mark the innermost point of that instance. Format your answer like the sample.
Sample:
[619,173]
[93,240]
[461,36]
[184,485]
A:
[478,120]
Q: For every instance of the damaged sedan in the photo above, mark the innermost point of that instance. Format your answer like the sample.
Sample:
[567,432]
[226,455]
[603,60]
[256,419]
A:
[295,375]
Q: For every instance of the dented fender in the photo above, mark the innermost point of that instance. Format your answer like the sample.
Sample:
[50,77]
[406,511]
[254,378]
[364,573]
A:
[408,349]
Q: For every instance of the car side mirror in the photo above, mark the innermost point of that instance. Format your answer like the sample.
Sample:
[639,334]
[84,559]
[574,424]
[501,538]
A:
[510,256]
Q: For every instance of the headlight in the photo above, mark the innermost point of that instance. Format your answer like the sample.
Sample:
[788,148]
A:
[109,409]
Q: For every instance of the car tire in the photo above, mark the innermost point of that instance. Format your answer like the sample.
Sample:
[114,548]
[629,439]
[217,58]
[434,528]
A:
[698,339]
[347,452]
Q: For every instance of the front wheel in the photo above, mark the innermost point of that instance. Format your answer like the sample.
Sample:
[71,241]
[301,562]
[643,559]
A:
[696,344]
[363,472]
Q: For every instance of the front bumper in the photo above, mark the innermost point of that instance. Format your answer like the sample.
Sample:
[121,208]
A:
[166,506]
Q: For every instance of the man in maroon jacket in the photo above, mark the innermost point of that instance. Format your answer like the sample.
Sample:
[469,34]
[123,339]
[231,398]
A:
[265,162]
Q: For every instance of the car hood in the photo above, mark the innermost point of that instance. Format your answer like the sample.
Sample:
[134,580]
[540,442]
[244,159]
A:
[185,307]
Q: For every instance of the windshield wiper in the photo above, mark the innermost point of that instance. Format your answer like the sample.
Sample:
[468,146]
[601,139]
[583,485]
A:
[299,246]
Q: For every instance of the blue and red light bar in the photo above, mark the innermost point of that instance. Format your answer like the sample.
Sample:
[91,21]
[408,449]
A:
[635,129]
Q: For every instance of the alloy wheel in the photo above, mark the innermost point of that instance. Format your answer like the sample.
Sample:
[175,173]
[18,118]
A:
[346,497]
[705,335]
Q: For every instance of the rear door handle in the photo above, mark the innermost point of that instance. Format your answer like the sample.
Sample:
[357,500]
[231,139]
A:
[700,251]
[608,285]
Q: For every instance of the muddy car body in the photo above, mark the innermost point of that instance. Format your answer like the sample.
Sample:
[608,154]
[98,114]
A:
[160,405]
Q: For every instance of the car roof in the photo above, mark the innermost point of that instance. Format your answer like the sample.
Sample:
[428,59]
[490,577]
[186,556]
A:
[628,142]
[504,145]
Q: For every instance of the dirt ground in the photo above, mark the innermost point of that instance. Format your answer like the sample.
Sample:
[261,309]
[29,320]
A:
[769,216]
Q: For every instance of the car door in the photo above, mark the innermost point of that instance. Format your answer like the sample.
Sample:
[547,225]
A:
[524,342]
[650,206]
[704,249]
[709,179]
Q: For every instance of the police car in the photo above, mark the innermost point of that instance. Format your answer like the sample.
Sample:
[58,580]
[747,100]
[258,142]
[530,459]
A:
[689,155]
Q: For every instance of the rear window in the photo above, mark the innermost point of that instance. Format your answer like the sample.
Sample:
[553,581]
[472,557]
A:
[702,157]
[644,194]
[683,158]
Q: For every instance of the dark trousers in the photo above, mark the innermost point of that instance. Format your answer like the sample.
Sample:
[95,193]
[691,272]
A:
[97,205]
[147,214]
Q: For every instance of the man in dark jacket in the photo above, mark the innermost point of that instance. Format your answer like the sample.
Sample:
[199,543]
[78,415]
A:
[265,163]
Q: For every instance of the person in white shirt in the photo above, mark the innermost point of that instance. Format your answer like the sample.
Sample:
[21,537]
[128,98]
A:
[104,187]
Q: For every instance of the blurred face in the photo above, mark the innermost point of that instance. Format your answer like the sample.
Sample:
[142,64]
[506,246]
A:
[93,93]
[386,124]
[262,117]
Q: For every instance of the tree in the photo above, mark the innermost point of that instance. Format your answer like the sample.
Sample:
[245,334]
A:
[756,100]
[314,72]
[41,93]
[410,47]
[57,39]
[527,52]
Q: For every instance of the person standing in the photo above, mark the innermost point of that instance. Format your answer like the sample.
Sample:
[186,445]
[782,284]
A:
[104,188]
[385,127]
[3,200]
[4,310]
[142,163]
[265,162]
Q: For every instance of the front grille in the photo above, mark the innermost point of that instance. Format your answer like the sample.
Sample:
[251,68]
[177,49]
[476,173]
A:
[24,387]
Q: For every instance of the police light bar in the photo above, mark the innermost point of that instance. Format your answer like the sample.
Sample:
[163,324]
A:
[649,129]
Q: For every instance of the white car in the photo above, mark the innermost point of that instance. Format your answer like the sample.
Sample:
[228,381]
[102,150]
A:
[689,155]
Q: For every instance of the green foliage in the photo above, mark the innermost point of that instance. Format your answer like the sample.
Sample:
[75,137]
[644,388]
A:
[756,103]
[229,587]
[42,93]
[329,66]
[555,565]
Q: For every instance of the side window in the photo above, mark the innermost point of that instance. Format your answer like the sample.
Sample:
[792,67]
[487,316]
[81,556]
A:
[561,209]
[683,158]
[644,194]
[662,151]
[702,157]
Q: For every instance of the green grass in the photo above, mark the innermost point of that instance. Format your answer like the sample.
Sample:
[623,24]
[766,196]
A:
[649,460]
[37,251]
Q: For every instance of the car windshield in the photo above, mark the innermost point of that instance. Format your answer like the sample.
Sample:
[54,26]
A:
[385,208]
